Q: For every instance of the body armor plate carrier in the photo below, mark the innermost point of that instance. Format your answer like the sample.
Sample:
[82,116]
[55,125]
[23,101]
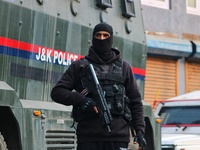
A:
[112,82]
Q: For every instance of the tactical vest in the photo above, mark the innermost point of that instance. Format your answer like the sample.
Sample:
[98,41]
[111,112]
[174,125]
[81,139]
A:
[112,82]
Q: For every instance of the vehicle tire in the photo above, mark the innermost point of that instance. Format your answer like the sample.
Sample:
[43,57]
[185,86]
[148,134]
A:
[3,145]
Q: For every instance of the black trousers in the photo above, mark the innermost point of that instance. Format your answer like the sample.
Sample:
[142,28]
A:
[103,146]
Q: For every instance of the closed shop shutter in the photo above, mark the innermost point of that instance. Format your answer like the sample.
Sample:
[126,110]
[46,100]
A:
[161,79]
[192,76]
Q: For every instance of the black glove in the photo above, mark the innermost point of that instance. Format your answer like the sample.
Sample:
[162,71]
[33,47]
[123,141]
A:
[87,104]
[139,138]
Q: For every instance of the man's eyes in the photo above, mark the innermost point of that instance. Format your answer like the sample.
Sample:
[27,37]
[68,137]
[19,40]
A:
[99,34]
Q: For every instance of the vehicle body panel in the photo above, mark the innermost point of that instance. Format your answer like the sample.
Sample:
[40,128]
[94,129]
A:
[37,44]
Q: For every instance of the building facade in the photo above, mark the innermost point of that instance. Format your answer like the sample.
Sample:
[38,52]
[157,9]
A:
[173,40]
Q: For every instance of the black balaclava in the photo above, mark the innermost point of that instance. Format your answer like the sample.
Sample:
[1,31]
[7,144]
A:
[103,47]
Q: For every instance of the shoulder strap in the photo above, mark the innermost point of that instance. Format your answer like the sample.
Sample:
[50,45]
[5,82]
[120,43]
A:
[118,63]
[83,62]
[115,72]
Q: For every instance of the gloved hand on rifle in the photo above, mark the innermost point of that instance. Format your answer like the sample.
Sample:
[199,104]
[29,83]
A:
[87,104]
[139,138]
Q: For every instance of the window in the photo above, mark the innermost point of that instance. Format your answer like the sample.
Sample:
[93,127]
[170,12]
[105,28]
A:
[157,3]
[103,4]
[180,115]
[128,8]
[192,3]
[193,7]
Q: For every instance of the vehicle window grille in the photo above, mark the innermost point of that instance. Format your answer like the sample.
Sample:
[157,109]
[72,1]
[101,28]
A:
[128,8]
[103,4]
[60,140]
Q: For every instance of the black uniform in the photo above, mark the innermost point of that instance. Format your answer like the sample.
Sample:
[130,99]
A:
[90,129]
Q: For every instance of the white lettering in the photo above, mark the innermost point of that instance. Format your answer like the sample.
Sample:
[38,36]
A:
[38,55]
[43,57]
[48,55]
[75,57]
[62,58]
[55,56]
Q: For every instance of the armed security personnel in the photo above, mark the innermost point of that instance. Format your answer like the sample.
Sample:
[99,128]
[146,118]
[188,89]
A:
[121,92]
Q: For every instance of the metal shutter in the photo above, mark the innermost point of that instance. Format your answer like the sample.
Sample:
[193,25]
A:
[192,76]
[161,79]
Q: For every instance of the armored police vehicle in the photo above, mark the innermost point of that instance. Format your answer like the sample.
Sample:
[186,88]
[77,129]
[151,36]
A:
[38,41]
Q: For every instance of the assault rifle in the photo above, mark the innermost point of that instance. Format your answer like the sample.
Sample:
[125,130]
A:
[102,107]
